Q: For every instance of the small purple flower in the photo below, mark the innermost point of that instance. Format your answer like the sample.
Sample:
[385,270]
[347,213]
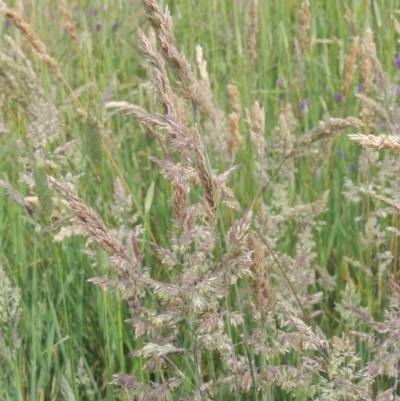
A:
[341,154]
[281,96]
[132,4]
[397,61]
[353,168]
[92,11]
[280,83]
[98,27]
[115,26]
[360,88]
[398,91]
[302,108]
[91,29]
[305,106]
[338,97]
[6,23]
[106,98]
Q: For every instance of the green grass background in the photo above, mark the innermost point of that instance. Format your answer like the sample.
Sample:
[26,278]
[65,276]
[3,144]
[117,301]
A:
[64,318]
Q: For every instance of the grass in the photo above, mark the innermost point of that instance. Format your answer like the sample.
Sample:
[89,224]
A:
[72,336]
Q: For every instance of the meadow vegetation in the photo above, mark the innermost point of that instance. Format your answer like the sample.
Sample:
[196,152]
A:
[198,200]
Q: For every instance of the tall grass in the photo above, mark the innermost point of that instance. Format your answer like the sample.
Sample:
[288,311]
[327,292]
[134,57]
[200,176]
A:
[261,263]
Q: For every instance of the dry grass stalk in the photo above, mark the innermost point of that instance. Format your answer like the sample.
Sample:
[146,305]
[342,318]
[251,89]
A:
[260,278]
[381,78]
[351,65]
[349,18]
[21,55]
[325,130]
[396,26]
[305,25]
[16,72]
[144,118]
[127,266]
[376,108]
[252,31]
[191,89]
[285,134]
[185,139]
[76,94]
[69,25]
[367,48]
[234,98]
[300,70]
[29,34]
[255,120]
[180,203]
[377,141]
[388,201]
[160,77]
[234,138]
[204,175]
[151,35]
[202,66]
[88,218]
[16,197]
[286,138]
[94,144]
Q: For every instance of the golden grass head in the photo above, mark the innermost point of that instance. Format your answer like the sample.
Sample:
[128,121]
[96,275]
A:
[30,35]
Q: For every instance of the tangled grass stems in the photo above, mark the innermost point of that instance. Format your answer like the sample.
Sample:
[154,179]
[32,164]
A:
[34,40]
[199,327]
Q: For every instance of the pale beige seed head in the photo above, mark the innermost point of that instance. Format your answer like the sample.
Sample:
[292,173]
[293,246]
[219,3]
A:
[349,18]
[252,30]
[351,65]
[69,24]
[377,141]
[396,26]
[234,138]
[234,98]
[202,66]
[29,34]
[305,25]
[368,48]
[255,121]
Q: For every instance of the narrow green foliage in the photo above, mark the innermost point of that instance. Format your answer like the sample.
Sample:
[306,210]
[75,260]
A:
[149,198]
[10,313]
[94,143]
[102,259]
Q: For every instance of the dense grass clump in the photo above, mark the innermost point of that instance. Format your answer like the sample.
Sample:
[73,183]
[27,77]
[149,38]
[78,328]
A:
[197,162]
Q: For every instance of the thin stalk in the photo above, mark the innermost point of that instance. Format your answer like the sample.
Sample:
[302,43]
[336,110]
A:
[33,325]
[69,342]
[223,246]
[263,188]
